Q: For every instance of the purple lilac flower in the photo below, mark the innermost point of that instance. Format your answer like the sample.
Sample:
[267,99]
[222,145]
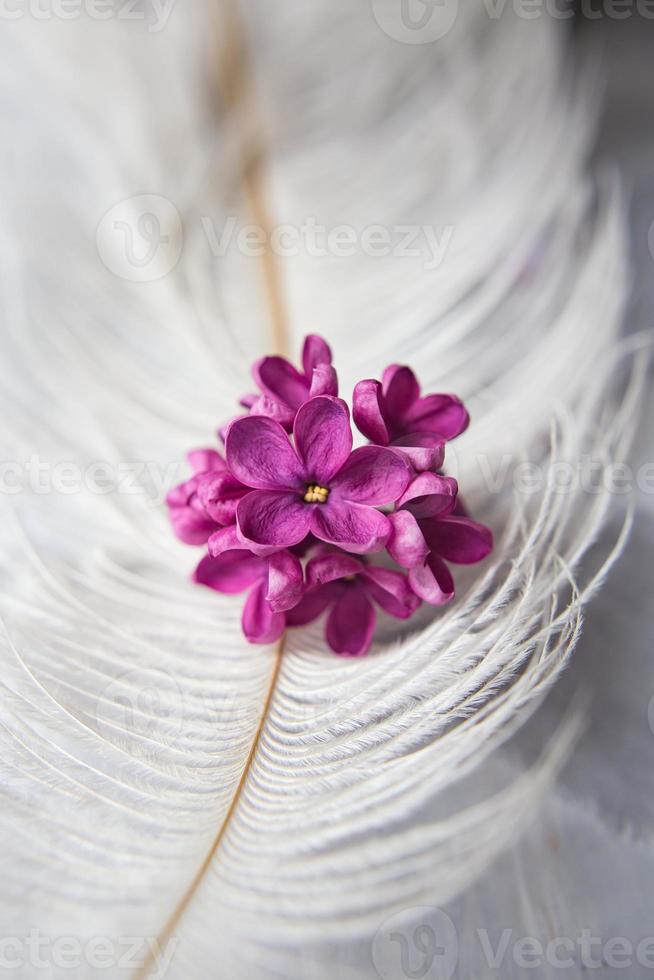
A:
[189,518]
[426,534]
[318,486]
[291,490]
[275,584]
[393,413]
[284,389]
[207,501]
[349,587]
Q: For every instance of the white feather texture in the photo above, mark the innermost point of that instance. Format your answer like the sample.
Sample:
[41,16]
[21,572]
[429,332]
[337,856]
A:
[242,810]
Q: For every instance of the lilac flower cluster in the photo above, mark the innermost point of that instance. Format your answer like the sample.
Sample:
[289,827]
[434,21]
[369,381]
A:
[291,512]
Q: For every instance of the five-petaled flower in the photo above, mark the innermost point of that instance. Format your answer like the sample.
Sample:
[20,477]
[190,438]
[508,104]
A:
[292,490]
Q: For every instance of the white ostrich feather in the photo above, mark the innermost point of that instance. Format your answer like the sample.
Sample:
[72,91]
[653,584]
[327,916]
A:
[247,807]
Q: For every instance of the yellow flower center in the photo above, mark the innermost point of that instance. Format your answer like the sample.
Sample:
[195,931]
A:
[315,494]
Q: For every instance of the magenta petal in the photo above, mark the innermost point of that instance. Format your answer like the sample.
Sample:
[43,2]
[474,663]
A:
[323,437]
[232,572]
[401,390]
[190,526]
[332,566]
[432,581]
[423,450]
[260,623]
[279,379]
[353,527]
[247,401]
[224,429]
[285,581]
[391,590]
[270,408]
[458,539]
[367,411]
[190,522]
[272,520]
[445,415]
[219,494]
[351,623]
[260,455]
[430,495]
[313,604]
[315,351]
[406,545]
[324,381]
[372,475]
[205,460]
[226,539]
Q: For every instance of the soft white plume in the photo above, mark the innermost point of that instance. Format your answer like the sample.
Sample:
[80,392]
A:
[130,746]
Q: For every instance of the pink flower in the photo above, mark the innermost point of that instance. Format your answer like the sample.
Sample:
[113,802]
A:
[426,533]
[190,520]
[319,486]
[393,413]
[348,587]
[275,584]
[284,389]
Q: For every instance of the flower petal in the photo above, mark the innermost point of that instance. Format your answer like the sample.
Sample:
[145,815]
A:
[278,378]
[424,450]
[323,437]
[190,522]
[332,566]
[391,590]
[226,539]
[458,539]
[232,572]
[205,460]
[315,351]
[401,390]
[313,604]
[224,429]
[270,408]
[353,527]
[351,623]
[430,495]
[367,411]
[445,415]
[260,455]
[260,623]
[269,520]
[324,381]
[372,475]
[219,494]
[285,581]
[432,581]
[406,545]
